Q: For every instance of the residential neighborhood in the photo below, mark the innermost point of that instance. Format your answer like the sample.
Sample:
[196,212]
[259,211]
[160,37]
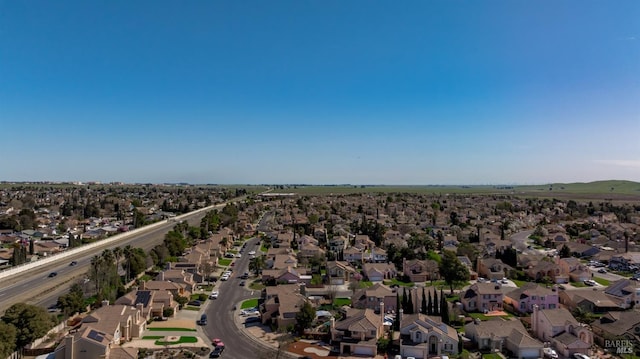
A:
[375,275]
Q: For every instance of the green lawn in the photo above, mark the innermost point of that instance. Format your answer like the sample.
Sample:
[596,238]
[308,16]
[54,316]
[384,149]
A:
[491,356]
[519,283]
[194,309]
[486,317]
[256,285]
[224,262]
[602,281]
[263,248]
[398,282]
[249,303]
[365,284]
[180,341]
[578,284]
[171,329]
[443,285]
[453,298]
[339,302]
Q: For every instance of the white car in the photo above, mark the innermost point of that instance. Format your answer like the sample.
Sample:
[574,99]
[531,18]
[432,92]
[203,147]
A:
[252,253]
[224,278]
[214,294]
[238,255]
[580,356]
[550,353]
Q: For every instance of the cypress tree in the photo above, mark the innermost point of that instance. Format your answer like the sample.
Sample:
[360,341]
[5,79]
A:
[396,322]
[444,309]
[436,303]
[423,306]
[430,305]
[410,303]
[405,300]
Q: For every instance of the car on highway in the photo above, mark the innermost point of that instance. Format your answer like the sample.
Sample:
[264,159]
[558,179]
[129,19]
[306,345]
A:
[214,294]
[73,263]
[53,274]
[216,352]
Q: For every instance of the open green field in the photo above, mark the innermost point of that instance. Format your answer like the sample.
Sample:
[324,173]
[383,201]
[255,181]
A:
[600,189]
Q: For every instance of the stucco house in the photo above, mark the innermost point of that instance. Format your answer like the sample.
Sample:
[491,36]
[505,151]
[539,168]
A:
[371,297]
[500,334]
[377,272]
[420,270]
[482,297]
[562,330]
[492,268]
[524,298]
[358,332]
[423,336]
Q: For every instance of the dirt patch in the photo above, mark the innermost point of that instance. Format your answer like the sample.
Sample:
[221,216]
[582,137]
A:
[310,350]
[177,323]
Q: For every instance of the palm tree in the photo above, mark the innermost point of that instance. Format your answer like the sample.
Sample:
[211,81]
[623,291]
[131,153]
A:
[127,252]
[96,264]
[117,253]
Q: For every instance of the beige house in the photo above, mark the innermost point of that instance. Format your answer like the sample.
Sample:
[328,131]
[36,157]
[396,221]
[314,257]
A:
[562,330]
[358,332]
[420,270]
[482,297]
[281,304]
[423,336]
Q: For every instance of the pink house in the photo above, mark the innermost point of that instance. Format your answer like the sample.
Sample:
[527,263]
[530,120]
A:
[483,297]
[524,298]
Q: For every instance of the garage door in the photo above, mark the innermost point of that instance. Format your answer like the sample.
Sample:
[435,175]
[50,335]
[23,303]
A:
[411,352]
[529,353]
[364,351]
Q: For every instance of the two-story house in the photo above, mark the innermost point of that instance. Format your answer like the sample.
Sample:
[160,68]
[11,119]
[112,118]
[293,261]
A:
[374,255]
[371,297]
[280,305]
[499,334]
[377,272]
[618,326]
[420,270]
[562,330]
[340,272]
[493,269]
[483,297]
[423,336]
[151,303]
[574,269]
[358,332]
[338,244]
[523,299]
[624,292]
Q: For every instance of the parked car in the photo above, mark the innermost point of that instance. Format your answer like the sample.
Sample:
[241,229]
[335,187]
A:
[214,294]
[229,255]
[242,284]
[602,270]
[252,253]
[238,255]
[550,353]
[203,320]
[195,303]
[217,352]
[245,276]
[590,282]
[251,320]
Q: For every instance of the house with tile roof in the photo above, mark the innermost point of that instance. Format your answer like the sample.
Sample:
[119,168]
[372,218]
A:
[371,297]
[358,332]
[281,304]
[591,300]
[624,292]
[420,270]
[618,326]
[482,297]
[424,336]
[557,326]
[492,268]
[491,335]
[523,299]
[340,272]
[377,272]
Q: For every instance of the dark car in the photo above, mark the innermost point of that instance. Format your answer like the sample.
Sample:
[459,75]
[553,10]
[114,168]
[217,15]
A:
[53,274]
[249,320]
[195,303]
[203,320]
[242,284]
[217,352]
[73,263]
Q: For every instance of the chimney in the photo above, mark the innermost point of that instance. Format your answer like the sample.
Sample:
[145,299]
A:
[303,289]
[534,320]
[140,307]
[382,311]
[333,322]
[399,318]
[105,303]
[161,276]
[68,347]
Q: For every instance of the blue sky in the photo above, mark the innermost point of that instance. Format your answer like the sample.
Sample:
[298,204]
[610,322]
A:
[361,92]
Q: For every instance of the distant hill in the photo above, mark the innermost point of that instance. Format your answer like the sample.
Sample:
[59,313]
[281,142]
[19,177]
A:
[614,189]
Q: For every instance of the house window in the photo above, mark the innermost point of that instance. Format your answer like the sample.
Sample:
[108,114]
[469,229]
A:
[541,298]
[522,305]
[373,333]
[552,306]
[533,297]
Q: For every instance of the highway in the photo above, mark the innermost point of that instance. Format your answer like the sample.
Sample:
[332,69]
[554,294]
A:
[35,287]
[220,311]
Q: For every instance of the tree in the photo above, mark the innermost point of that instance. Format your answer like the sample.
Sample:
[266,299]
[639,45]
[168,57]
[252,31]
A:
[396,323]
[405,300]
[424,306]
[565,252]
[256,264]
[410,304]
[436,303]
[7,339]
[207,268]
[452,270]
[31,322]
[444,309]
[305,317]
[430,305]
[72,302]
